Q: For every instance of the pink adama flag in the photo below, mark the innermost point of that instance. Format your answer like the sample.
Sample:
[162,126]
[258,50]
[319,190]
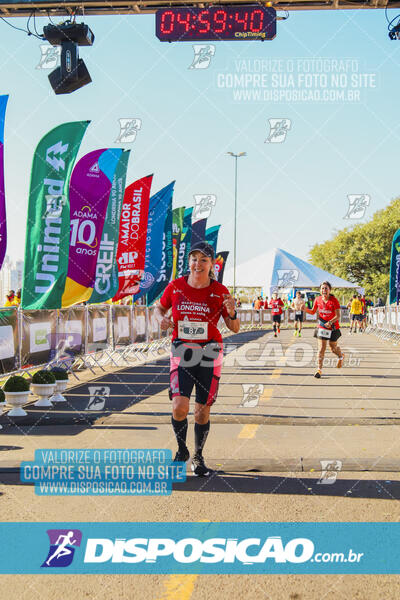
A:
[89,193]
[3,222]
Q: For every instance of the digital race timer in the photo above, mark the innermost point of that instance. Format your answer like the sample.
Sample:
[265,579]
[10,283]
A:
[215,23]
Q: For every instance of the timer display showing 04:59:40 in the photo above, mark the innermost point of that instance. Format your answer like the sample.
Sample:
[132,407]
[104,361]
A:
[253,22]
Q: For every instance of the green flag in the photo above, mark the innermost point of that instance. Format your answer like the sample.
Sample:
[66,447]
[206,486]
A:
[106,284]
[177,226]
[48,223]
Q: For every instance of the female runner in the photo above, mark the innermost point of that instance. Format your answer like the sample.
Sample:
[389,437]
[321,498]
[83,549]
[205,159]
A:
[328,329]
[197,301]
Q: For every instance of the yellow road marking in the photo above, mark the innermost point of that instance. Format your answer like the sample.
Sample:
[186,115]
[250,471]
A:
[248,431]
[276,373]
[267,393]
[179,587]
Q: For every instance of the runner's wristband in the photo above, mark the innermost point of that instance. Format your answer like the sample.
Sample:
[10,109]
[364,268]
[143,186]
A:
[234,316]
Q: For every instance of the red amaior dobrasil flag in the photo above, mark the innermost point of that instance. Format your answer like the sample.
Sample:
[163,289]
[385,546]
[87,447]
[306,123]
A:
[131,251]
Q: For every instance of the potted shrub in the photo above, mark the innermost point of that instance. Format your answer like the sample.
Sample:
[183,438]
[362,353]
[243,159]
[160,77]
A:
[43,385]
[61,376]
[16,391]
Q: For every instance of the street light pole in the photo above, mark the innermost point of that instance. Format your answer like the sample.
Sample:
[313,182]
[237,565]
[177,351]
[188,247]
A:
[236,156]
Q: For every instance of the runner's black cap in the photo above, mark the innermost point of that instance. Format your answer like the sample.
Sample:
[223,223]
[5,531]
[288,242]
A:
[204,248]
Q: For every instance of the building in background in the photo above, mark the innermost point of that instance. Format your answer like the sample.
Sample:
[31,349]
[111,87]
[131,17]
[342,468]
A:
[10,277]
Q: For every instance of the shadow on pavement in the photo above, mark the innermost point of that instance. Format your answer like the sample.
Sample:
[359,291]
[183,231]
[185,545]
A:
[121,390]
[236,483]
[246,483]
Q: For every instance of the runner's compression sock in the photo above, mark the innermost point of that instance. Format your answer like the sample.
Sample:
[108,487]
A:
[200,436]
[180,429]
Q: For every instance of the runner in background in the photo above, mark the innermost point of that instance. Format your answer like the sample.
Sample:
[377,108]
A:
[355,306]
[258,303]
[363,323]
[266,304]
[197,301]
[299,307]
[276,305]
[328,329]
[10,298]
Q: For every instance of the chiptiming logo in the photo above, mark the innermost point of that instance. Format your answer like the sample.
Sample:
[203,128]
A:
[62,547]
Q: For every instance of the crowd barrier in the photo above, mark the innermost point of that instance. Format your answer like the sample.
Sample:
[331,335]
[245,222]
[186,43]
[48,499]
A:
[384,321]
[95,335]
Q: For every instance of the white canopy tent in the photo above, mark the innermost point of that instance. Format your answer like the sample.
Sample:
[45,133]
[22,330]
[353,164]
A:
[279,269]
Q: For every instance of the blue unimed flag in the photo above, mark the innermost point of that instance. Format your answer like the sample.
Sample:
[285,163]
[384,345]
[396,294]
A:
[212,237]
[394,291]
[158,207]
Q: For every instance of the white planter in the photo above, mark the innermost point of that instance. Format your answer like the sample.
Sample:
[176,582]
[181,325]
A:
[44,391]
[17,400]
[61,386]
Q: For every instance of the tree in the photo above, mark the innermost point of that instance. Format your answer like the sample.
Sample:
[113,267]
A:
[361,253]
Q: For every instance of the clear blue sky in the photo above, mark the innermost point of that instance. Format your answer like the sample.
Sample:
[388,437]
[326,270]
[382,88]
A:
[291,194]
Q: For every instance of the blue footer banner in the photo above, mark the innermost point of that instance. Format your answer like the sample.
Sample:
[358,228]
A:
[204,548]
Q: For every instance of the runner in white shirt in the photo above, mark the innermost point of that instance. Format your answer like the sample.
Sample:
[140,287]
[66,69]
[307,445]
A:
[299,307]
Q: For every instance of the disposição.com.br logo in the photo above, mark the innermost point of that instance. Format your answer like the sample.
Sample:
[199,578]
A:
[62,547]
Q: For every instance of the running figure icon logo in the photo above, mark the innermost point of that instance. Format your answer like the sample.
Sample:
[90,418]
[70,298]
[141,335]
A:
[329,471]
[203,205]
[50,57]
[358,204]
[128,129]
[147,280]
[62,547]
[278,129]
[203,54]
[98,396]
[251,394]
[287,277]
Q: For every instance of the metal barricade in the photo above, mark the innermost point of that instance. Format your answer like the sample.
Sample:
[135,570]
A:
[85,337]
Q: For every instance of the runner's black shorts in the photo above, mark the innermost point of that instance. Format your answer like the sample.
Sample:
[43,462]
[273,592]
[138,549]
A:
[356,317]
[299,317]
[195,365]
[276,318]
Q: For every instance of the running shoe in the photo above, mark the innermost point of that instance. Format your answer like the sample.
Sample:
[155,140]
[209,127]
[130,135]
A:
[340,362]
[299,333]
[279,330]
[182,455]
[318,374]
[295,332]
[199,467]
[275,335]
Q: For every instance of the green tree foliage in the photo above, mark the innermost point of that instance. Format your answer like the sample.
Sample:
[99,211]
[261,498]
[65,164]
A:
[362,253]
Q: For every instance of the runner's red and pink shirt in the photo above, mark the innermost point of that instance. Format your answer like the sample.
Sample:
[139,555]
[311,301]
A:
[195,311]
[276,306]
[327,310]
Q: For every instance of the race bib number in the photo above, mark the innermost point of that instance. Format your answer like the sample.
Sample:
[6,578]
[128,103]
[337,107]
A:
[299,313]
[193,330]
[324,333]
[275,310]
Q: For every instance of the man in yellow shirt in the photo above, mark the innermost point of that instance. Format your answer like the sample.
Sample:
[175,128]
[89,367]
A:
[356,316]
